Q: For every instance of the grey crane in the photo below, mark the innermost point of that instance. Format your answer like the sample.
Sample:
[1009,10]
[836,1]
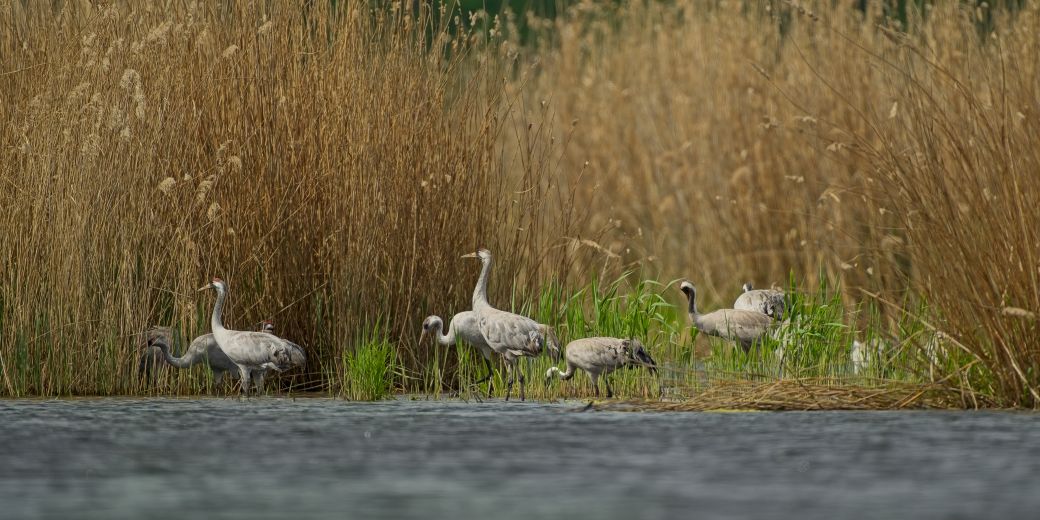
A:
[465,326]
[742,326]
[510,335]
[770,302]
[601,356]
[248,350]
[151,355]
[204,349]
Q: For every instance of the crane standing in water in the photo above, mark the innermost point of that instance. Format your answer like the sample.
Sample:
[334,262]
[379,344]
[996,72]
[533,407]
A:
[601,356]
[465,326]
[510,335]
[249,351]
[204,349]
[742,326]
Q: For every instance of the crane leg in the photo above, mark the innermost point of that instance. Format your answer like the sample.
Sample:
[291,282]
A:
[244,379]
[218,380]
[490,372]
[523,385]
[489,377]
[595,384]
[509,380]
[258,381]
[606,383]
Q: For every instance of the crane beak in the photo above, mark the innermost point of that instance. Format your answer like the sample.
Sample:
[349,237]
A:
[208,286]
[470,255]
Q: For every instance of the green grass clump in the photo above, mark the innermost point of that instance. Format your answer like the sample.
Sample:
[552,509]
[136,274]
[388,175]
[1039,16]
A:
[369,370]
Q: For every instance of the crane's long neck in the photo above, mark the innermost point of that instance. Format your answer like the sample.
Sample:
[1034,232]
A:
[562,375]
[446,339]
[185,361]
[692,297]
[218,310]
[480,298]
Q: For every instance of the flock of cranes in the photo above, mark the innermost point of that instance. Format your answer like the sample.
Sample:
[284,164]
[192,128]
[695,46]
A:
[249,355]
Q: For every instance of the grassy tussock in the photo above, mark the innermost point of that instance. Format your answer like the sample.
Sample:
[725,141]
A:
[808,394]
[369,369]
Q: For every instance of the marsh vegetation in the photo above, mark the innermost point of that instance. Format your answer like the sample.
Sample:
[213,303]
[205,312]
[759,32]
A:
[333,161]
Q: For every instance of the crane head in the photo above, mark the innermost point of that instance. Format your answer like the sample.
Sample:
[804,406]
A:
[687,288]
[217,284]
[747,286]
[483,254]
[431,322]
[638,355]
[267,326]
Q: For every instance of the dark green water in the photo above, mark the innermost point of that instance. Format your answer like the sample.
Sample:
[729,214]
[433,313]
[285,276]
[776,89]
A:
[274,458]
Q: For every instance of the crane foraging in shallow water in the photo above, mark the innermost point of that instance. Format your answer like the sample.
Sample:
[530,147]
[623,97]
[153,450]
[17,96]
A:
[770,302]
[601,356]
[465,326]
[742,326]
[510,335]
[155,338]
[249,351]
[204,349]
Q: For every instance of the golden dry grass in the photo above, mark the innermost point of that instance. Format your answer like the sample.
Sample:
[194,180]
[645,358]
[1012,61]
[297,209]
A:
[332,165]
[812,394]
[315,159]
[746,141]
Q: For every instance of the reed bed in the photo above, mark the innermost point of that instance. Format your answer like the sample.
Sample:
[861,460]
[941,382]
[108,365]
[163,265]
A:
[327,161]
[736,141]
[332,161]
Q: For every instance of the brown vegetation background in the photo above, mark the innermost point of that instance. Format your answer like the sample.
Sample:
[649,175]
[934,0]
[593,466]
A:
[332,165]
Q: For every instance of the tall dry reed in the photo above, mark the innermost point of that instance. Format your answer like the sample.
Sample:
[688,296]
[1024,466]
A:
[748,140]
[329,162]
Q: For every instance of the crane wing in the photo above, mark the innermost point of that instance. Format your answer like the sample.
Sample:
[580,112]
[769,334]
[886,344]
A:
[507,331]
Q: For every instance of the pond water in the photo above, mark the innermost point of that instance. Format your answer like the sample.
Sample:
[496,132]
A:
[283,458]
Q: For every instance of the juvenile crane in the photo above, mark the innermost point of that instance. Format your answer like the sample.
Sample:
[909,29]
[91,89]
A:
[601,356]
[742,326]
[767,301]
[510,335]
[249,351]
[465,326]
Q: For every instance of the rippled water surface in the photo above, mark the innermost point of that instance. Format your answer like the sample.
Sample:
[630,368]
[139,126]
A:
[279,458]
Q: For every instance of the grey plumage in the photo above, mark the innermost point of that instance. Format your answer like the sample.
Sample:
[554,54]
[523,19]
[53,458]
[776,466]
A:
[464,326]
[602,356]
[767,301]
[742,326]
[204,349]
[249,351]
[510,335]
